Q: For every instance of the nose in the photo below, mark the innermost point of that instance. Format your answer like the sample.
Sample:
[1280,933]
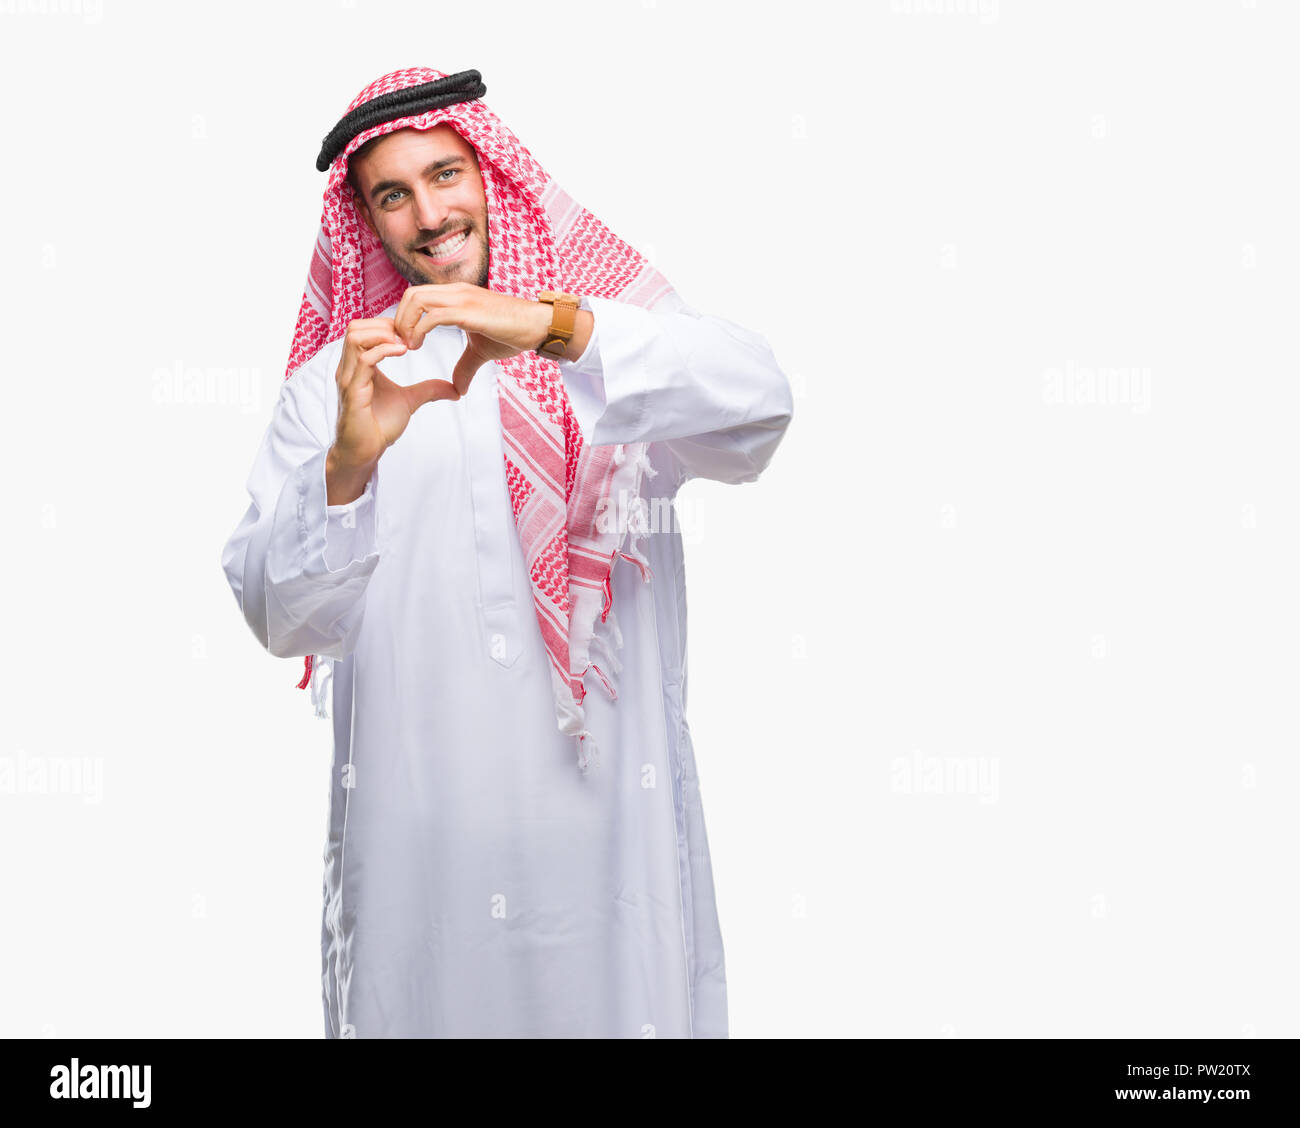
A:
[430,212]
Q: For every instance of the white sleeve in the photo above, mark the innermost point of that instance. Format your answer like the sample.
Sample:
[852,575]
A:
[709,390]
[298,566]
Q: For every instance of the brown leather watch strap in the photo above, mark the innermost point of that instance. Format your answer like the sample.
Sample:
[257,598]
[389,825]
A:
[564,320]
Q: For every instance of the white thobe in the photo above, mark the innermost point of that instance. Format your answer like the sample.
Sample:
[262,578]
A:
[476,883]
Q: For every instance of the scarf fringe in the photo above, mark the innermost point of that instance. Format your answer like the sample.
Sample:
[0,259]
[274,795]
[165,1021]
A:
[612,659]
[322,675]
[588,752]
[606,643]
[640,458]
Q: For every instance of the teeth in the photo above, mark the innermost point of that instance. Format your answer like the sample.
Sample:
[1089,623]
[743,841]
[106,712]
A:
[447,246]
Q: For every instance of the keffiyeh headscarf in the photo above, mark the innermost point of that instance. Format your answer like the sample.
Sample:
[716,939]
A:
[539,239]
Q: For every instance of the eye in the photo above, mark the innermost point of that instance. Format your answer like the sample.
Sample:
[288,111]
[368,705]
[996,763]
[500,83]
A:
[387,199]
[445,171]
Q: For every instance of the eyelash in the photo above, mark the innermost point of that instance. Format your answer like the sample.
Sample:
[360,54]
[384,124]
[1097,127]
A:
[396,190]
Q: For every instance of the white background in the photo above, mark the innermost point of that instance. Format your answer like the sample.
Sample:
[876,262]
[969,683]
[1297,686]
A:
[992,687]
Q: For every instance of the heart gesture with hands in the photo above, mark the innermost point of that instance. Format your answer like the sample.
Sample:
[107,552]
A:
[374,411]
[497,325]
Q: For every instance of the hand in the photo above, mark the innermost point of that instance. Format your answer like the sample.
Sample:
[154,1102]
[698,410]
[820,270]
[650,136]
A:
[497,325]
[373,411]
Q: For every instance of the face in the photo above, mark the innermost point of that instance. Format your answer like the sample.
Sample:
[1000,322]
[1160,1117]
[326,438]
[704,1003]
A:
[421,193]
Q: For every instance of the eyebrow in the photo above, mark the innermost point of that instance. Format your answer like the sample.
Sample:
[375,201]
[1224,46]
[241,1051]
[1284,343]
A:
[385,186]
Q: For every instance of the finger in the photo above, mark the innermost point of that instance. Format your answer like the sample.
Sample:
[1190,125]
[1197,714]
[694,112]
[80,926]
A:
[361,337]
[373,356]
[414,302]
[422,325]
[418,300]
[399,314]
[364,336]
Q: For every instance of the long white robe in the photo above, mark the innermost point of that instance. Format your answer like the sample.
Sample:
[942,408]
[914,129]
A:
[475,883]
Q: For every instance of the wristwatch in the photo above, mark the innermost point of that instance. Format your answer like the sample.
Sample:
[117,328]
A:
[564,319]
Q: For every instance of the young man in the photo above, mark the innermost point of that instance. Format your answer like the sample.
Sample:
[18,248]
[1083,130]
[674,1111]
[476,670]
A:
[459,568]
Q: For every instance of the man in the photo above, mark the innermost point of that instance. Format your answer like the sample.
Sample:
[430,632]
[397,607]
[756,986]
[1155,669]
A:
[459,567]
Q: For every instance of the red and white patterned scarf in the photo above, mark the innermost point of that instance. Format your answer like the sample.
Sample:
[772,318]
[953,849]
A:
[539,239]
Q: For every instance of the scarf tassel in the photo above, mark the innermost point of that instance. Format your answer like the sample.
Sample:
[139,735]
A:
[588,753]
[609,598]
[640,561]
[641,458]
[320,674]
[603,643]
[613,695]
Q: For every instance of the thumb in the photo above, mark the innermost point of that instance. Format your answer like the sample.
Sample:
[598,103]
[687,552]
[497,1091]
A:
[429,390]
[471,360]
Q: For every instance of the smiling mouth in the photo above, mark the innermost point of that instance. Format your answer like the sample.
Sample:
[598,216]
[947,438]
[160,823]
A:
[446,249]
